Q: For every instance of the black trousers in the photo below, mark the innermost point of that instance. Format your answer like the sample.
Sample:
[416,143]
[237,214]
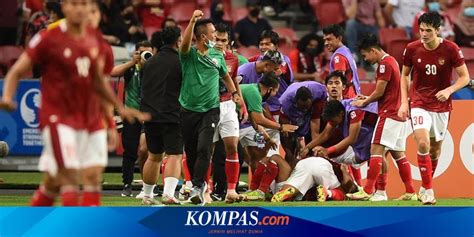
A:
[198,131]
[130,141]
[218,166]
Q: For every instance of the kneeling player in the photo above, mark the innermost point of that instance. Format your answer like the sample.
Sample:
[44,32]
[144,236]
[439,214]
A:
[332,181]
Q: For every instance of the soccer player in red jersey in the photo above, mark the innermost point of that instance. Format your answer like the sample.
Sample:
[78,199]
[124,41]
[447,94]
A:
[74,92]
[430,62]
[228,126]
[391,131]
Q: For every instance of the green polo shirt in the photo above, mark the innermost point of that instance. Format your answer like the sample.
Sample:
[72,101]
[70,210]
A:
[201,74]
[252,97]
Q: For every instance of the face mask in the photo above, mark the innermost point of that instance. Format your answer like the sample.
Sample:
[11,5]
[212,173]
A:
[267,95]
[469,12]
[210,44]
[434,6]
[219,14]
[255,12]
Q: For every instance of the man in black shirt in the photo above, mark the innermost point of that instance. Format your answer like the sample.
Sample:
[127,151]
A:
[248,29]
[161,85]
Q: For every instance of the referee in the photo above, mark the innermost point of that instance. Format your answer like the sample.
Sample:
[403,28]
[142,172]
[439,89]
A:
[202,67]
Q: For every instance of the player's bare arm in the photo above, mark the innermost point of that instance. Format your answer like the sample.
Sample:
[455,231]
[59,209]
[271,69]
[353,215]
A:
[404,85]
[188,33]
[375,96]
[354,129]
[267,123]
[22,65]
[462,81]
[315,125]
[229,84]
[322,138]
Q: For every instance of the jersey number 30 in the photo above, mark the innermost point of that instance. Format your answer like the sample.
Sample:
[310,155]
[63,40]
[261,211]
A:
[430,69]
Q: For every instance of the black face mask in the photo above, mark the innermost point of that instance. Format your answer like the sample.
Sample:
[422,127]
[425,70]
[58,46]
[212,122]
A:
[255,12]
[312,52]
[219,14]
[267,95]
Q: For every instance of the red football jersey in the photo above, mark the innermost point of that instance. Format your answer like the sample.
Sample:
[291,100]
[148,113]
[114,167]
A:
[67,65]
[232,63]
[431,73]
[389,103]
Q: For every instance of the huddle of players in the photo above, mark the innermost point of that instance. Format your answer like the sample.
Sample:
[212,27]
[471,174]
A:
[344,132]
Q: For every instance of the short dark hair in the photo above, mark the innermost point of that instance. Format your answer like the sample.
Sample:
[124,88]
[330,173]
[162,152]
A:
[163,24]
[332,109]
[223,28]
[56,8]
[170,35]
[338,74]
[430,18]
[303,94]
[369,41]
[201,26]
[270,79]
[273,56]
[156,40]
[270,34]
[334,29]
[304,41]
[144,43]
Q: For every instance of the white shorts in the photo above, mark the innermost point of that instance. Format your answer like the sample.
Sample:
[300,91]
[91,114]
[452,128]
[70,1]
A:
[275,135]
[72,149]
[247,135]
[391,133]
[435,122]
[228,125]
[313,171]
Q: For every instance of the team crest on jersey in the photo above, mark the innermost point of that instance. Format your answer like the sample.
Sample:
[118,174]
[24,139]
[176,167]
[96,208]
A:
[382,69]
[214,60]
[67,52]
[353,114]
[336,59]
[441,61]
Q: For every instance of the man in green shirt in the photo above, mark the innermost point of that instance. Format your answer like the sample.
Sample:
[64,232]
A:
[254,95]
[132,137]
[203,67]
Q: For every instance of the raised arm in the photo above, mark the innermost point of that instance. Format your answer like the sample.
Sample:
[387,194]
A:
[188,33]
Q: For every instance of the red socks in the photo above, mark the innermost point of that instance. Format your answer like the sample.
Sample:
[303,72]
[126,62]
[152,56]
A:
[42,198]
[357,176]
[434,164]
[70,196]
[404,170]
[424,163]
[232,170]
[375,165]
[269,175]
[337,194]
[381,182]
[257,176]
